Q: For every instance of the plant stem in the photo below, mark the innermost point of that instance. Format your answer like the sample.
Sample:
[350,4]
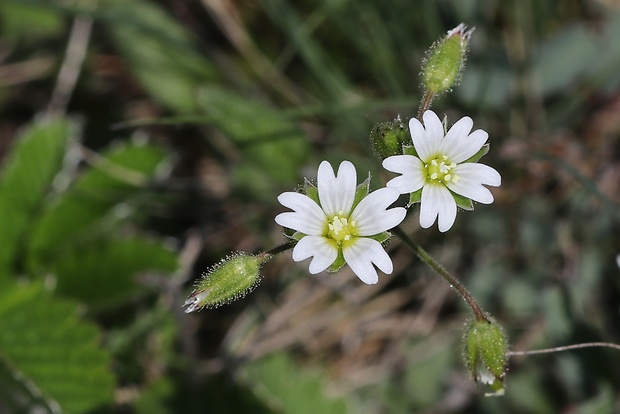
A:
[437,268]
[565,348]
[425,104]
[265,256]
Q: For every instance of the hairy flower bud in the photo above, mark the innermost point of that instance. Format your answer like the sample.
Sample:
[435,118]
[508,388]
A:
[227,281]
[387,138]
[446,60]
[485,350]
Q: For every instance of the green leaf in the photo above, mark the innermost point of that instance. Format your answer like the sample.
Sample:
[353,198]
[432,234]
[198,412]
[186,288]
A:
[104,273]
[43,342]
[270,141]
[30,168]
[277,380]
[86,212]
[159,52]
[29,22]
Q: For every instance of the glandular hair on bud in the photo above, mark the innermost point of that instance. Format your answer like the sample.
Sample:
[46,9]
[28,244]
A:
[387,138]
[485,352]
[446,60]
[229,280]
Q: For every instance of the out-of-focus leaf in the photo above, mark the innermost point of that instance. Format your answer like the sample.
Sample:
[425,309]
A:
[28,173]
[95,203]
[44,343]
[579,51]
[288,389]
[28,21]
[217,394]
[426,377]
[602,403]
[272,142]
[105,273]
[159,52]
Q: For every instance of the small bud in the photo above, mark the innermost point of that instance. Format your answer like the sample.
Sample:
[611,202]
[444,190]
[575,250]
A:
[485,350]
[387,138]
[446,60]
[229,280]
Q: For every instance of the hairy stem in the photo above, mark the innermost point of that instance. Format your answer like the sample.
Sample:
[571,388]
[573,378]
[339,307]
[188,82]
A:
[437,268]
[565,348]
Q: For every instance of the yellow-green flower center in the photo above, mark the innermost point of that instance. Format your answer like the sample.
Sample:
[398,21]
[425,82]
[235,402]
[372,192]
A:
[439,170]
[340,229]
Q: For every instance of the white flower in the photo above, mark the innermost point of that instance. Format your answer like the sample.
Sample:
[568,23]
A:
[336,227]
[441,170]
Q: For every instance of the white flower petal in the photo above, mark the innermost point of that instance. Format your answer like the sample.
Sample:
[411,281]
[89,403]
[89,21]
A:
[307,217]
[424,142]
[460,129]
[411,168]
[433,126]
[362,254]
[464,147]
[336,192]
[370,215]
[437,203]
[471,180]
[323,252]
[479,172]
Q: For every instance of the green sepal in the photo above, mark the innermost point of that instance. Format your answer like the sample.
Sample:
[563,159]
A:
[229,280]
[483,151]
[381,237]
[338,263]
[297,236]
[410,150]
[361,191]
[415,197]
[485,350]
[387,138]
[311,191]
[463,202]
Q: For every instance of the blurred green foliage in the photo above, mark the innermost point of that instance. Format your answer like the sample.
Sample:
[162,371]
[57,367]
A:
[188,118]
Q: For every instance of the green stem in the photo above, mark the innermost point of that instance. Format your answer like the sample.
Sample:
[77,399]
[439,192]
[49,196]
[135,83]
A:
[265,256]
[437,268]
[425,104]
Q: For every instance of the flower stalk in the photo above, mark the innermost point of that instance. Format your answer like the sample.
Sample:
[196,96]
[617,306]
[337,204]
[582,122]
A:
[454,283]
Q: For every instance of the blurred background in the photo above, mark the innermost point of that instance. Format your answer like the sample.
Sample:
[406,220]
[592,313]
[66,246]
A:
[142,141]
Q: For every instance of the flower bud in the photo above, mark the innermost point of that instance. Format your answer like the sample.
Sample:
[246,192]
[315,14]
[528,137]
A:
[229,280]
[446,60]
[387,138]
[485,351]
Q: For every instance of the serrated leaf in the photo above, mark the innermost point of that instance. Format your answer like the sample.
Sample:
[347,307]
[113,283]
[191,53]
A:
[87,210]
[278,381]
[43,341]
[30,168]
[105,273]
